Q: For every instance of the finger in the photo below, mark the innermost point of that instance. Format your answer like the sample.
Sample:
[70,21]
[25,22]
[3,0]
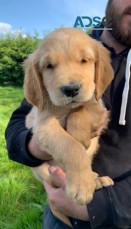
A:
[58,175]
[47,186]
[49,189]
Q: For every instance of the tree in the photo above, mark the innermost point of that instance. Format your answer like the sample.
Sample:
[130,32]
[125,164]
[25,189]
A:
[13,50]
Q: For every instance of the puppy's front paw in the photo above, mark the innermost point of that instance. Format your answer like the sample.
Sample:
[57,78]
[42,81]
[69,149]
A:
[103,182]
[81,188]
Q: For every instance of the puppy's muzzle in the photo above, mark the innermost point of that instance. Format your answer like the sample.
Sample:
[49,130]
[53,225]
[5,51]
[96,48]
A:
[71,90]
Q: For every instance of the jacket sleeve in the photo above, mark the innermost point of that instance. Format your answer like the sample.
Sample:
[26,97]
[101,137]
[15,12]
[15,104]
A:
[112,205]
[17,137]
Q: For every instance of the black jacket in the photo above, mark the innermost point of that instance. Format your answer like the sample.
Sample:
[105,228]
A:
[111,206]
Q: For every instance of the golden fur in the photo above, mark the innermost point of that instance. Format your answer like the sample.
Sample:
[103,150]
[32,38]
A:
[63,124]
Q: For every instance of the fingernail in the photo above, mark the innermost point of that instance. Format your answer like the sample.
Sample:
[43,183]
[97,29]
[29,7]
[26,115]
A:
[52,169]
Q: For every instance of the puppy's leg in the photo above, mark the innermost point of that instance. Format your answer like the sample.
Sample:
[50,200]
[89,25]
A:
[82,123]
[71,155]
[99,118]
[79,126]
[103,181]
[93,148]
[42,174]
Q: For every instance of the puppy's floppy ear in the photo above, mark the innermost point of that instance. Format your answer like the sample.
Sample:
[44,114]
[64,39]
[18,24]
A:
[33,85]
[103,70]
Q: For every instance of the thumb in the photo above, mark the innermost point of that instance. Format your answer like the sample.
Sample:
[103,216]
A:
[58,175]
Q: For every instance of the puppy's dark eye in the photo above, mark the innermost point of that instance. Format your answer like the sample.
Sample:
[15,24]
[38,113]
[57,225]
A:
[83,61]
[49,66]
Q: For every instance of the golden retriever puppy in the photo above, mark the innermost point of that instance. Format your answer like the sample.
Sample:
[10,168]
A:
[65,78]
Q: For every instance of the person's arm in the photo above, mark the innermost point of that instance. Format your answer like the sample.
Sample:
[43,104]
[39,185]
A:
[21,144]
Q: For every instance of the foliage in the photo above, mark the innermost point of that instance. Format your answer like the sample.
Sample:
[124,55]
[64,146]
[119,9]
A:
[13,50]
[22,198]
[89,31]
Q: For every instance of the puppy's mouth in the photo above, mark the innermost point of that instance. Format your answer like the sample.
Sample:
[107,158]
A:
[73,101]
[59,99]
[76,101]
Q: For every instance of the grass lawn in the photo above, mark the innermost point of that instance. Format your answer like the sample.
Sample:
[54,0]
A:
[22,198]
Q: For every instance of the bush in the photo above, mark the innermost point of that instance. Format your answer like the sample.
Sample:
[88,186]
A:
[13,51]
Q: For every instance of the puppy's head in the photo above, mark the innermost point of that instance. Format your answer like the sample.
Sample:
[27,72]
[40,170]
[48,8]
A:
[68,68]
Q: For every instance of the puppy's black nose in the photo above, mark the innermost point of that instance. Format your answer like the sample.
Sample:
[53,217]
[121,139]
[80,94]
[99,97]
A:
[71,90]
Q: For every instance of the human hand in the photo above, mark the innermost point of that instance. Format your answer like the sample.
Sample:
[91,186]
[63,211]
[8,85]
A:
[35,150]
[60,200]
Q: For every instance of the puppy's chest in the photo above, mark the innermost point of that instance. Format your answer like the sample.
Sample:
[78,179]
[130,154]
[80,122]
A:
[62,117]
[36,116]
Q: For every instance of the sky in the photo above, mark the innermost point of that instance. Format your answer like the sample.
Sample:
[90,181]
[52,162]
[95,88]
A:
[44,16]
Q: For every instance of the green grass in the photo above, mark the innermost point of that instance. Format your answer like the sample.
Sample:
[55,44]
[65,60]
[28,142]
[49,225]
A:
[22,198]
